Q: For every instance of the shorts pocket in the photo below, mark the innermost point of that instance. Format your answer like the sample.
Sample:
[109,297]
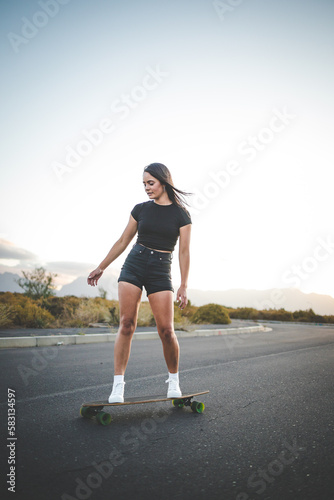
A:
[137,250]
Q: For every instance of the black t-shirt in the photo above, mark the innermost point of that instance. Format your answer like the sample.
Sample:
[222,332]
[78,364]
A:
[159,225]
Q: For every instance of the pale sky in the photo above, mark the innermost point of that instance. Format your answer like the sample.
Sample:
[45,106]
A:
[236,100]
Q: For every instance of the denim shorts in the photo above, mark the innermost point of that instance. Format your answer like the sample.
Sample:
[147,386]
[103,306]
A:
[148,268]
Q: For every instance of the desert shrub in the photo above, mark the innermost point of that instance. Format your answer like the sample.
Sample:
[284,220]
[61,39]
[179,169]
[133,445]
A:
[16,309]
[211,314]
[243,313]
[88,311]
[6,315]
[63,309]
[26,312]
[145,315]
[61,306]
[73,311]
[309,316]
[30,315]
[13,299]
[182,317]
[114,315]
[275,315]
[109,310]
[187,312]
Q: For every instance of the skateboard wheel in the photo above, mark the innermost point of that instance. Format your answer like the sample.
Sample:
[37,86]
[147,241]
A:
[87,412]
[178,403]
[103,418]
[197,407]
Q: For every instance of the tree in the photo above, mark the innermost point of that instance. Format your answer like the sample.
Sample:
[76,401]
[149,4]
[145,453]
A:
[37,284]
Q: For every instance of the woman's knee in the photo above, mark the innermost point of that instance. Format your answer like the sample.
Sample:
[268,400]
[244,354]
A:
[167,334]
[127,326]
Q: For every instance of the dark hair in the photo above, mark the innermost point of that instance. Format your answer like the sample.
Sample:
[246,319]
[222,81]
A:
[161,172]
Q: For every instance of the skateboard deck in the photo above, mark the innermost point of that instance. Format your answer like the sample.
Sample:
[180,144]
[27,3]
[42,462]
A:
[94,408]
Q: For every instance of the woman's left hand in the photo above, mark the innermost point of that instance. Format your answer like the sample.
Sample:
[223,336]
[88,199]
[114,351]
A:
[182,297]
[94,276]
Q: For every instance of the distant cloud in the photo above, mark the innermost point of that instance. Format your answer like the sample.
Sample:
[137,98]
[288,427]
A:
[16,259]
[9,250]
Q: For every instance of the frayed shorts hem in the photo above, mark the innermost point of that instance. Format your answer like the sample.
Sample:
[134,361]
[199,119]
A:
[148,292]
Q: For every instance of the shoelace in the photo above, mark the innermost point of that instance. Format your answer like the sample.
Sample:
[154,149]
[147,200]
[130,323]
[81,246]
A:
[118,389]
[174,383]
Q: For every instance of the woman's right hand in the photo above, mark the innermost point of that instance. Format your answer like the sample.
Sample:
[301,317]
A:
[94,276]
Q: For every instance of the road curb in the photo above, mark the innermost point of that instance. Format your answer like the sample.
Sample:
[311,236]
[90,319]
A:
[57,340]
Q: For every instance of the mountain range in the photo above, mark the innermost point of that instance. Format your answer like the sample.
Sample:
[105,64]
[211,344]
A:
[290,299]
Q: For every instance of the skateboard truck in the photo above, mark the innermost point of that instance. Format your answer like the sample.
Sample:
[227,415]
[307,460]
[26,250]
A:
[196,406]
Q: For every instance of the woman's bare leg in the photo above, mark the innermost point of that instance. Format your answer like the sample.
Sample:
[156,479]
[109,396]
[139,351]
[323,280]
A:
[163,310]
[129,297]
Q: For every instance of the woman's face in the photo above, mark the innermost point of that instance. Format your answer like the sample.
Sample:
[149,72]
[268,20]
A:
[152,186]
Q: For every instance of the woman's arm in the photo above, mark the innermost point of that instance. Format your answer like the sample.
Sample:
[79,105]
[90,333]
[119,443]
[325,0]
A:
[184,260]
[115,251]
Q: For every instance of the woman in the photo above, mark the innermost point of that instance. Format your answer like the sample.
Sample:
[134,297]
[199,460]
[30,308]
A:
[159,222]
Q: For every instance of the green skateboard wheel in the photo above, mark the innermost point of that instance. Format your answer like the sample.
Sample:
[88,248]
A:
[178,403]
[103,418]
[87,412]
[197,407]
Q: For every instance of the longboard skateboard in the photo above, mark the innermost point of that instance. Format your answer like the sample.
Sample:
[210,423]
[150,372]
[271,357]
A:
[95,408]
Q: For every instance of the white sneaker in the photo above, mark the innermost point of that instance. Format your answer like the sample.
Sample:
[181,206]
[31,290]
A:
[174,390]
[117,395]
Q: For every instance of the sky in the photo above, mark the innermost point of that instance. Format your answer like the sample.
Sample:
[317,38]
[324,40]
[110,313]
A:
[234,97]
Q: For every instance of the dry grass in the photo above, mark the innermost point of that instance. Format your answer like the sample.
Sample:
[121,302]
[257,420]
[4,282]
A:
[6,316]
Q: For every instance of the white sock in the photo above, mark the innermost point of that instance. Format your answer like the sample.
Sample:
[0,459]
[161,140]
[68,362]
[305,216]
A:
[173,376]
[118,379]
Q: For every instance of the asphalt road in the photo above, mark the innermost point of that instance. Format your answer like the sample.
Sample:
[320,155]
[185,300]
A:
[266,433]
[32,332]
